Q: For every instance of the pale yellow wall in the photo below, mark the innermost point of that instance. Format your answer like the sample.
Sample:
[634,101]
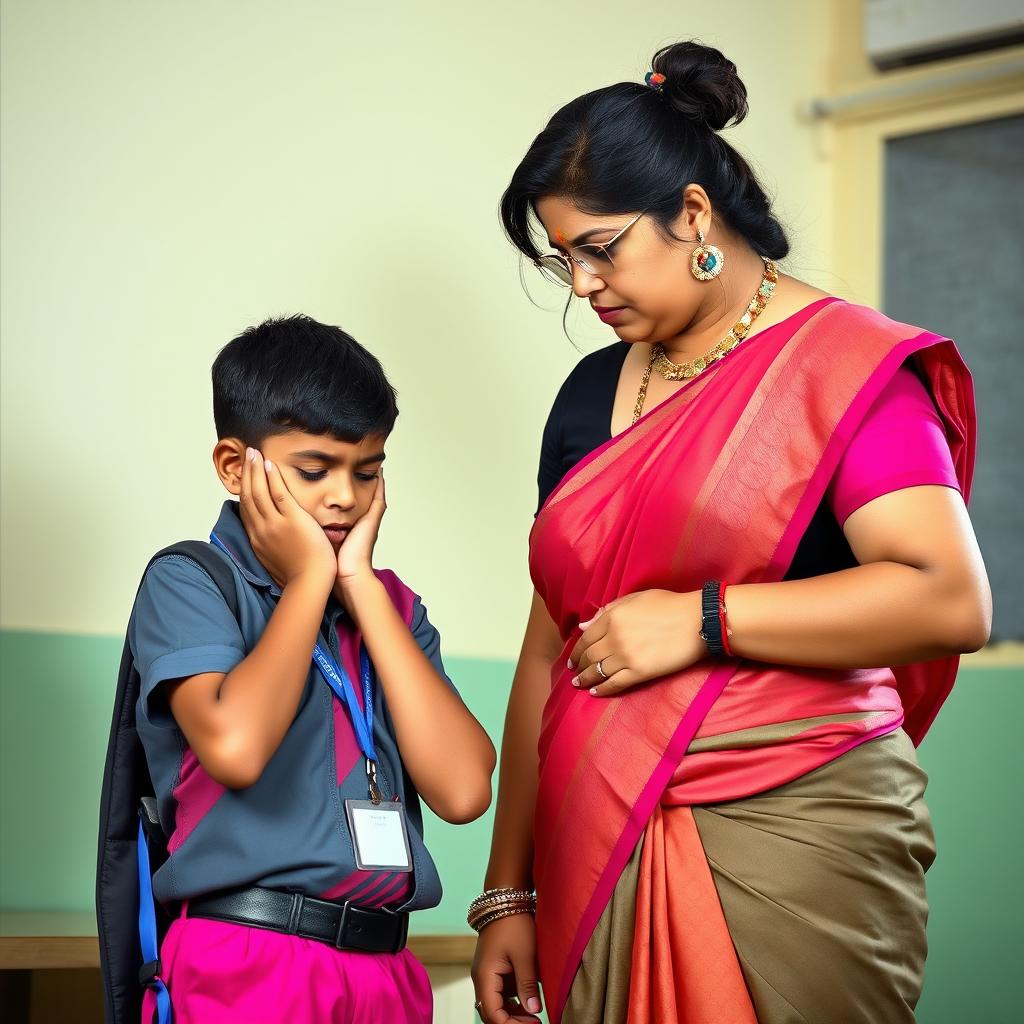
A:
[175,172]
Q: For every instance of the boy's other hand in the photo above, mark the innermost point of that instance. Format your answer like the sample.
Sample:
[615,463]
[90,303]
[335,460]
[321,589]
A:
[285,537]
[355,556]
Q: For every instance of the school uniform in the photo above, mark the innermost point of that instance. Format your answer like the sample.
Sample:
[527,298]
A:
[288,831]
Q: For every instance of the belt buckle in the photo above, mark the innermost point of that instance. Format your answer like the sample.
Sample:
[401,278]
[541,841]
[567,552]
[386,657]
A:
[295,913]
[339,931]
[403,934]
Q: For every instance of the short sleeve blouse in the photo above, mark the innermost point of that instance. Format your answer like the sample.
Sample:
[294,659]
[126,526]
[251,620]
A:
[900,443]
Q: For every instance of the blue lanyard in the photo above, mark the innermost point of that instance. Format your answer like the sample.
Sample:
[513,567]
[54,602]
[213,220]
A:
[338,680]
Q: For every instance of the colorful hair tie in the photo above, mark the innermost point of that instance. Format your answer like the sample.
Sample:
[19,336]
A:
[654,80]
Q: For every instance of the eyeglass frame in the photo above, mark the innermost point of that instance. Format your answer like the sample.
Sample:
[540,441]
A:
[565,262]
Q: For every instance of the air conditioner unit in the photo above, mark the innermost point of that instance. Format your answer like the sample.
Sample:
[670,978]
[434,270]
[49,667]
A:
[902,32]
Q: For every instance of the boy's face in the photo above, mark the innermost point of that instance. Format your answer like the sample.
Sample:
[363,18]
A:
[334,481]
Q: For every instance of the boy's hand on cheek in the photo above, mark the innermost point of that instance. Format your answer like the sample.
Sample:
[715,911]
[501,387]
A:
[285,537]
[355,556]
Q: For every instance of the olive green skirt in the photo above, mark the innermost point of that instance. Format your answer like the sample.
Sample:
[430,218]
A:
[821,883]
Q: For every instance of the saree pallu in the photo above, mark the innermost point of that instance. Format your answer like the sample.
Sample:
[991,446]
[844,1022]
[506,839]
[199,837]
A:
[719,481]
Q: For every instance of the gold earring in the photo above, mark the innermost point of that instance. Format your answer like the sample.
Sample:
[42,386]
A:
[706,261]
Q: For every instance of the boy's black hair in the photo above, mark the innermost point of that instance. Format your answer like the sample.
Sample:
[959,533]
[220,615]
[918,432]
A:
[293,373]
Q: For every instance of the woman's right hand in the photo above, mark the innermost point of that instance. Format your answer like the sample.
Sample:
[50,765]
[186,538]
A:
[505,970]
[287,540]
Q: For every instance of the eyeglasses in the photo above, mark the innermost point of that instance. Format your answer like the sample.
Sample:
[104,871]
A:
[594,258]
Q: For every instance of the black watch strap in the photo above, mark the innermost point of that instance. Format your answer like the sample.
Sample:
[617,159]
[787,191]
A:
[710,622]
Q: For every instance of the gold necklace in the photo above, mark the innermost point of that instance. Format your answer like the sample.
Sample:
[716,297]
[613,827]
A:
[686,371]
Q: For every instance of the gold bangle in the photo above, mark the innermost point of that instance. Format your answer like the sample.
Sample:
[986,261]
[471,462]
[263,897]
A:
[500,896]
[480,923]
[488,908]
[492,905]
[504,901]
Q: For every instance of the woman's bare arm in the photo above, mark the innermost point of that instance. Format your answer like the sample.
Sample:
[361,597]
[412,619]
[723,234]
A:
[512,840]
[505,964]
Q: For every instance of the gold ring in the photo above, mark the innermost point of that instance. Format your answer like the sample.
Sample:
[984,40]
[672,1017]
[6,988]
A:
[600,670]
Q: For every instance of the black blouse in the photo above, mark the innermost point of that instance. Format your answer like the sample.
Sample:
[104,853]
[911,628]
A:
[580,422]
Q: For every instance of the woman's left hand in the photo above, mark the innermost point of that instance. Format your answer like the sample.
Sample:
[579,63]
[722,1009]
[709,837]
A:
[638,638]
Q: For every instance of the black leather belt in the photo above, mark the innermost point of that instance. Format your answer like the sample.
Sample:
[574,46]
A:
[342,925]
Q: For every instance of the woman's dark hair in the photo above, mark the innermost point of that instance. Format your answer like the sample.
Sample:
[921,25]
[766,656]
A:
[629,147]
[294,373]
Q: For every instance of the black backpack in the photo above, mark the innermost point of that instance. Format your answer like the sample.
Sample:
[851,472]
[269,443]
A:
[127,788]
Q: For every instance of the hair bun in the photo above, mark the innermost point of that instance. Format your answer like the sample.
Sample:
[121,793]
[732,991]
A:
[702,84]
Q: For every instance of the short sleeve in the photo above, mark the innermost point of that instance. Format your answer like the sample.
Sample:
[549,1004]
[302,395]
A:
[551,469]
[900,443]
[181,626]
[427,636]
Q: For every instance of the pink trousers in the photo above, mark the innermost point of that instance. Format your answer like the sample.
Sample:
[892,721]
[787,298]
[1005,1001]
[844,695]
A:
[221,973]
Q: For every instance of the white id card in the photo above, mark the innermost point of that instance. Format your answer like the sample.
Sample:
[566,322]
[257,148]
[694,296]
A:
[379,835]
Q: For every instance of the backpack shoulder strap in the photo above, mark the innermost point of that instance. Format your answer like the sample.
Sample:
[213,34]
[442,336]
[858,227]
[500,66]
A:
[212,561]
[125,781]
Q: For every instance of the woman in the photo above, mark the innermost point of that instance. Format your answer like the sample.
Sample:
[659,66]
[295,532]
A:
[727,822]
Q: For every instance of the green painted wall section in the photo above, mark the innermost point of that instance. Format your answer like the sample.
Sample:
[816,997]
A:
[55,696]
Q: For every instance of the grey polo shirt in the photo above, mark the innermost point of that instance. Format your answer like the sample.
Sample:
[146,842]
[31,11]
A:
[288,830]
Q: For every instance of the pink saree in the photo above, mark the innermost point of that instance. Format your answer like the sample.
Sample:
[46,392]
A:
[720,481]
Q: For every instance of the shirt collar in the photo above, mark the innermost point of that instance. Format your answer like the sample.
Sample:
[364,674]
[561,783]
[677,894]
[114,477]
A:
[231,533]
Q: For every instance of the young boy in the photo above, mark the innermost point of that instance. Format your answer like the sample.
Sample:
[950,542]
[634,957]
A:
[288,746]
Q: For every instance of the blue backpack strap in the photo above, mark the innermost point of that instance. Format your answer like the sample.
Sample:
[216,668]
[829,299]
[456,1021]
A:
[123,878]
[149,973]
